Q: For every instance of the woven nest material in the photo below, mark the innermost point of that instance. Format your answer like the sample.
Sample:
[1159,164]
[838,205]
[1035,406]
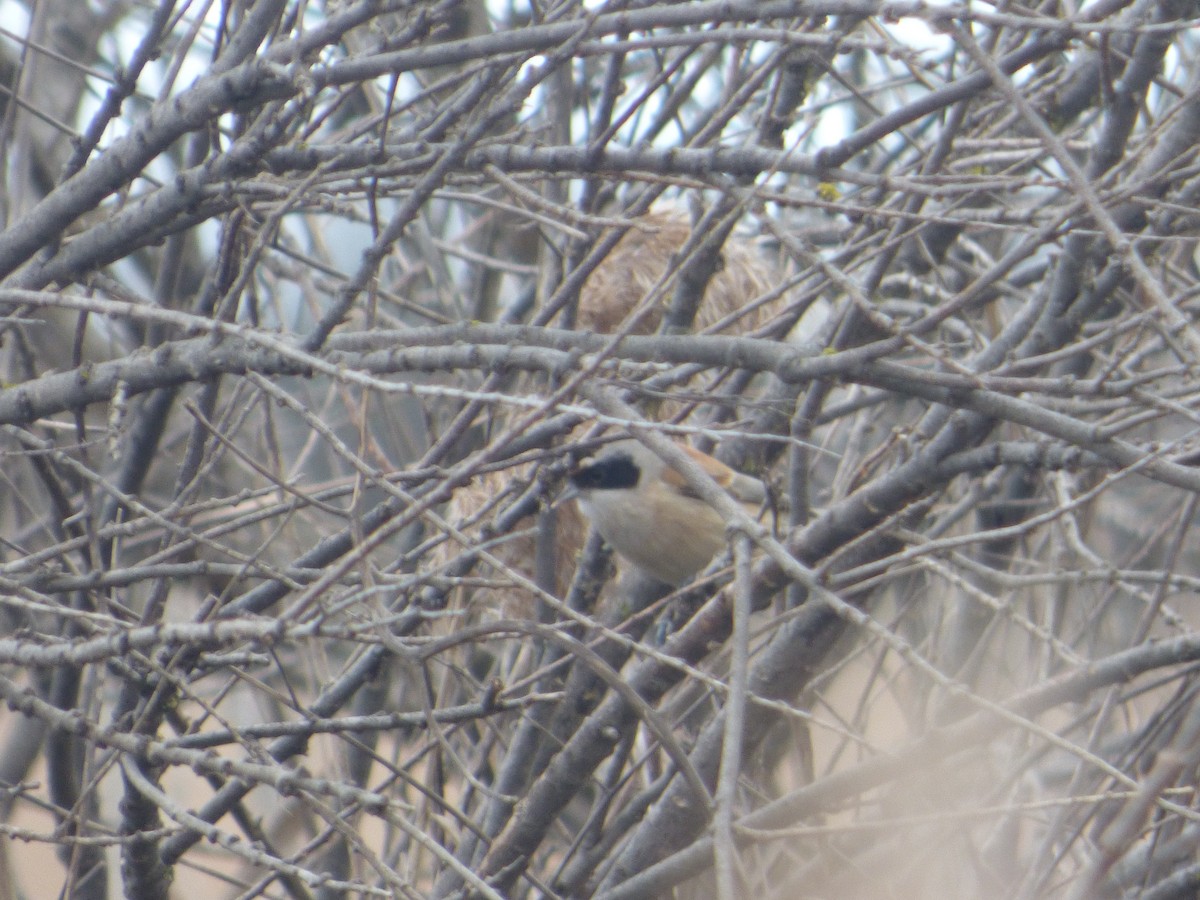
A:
[641,258]
[618,286]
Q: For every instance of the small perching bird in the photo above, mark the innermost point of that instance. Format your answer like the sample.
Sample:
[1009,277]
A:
[649,514]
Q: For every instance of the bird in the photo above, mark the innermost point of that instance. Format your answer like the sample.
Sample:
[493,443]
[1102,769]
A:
[647,512]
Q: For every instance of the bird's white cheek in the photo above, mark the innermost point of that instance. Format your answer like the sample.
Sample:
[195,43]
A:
[608,511]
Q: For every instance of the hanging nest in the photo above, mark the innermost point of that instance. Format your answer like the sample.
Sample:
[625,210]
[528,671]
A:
[643,255]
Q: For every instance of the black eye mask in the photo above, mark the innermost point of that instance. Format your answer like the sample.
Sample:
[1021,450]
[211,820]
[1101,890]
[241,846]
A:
[617,472]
